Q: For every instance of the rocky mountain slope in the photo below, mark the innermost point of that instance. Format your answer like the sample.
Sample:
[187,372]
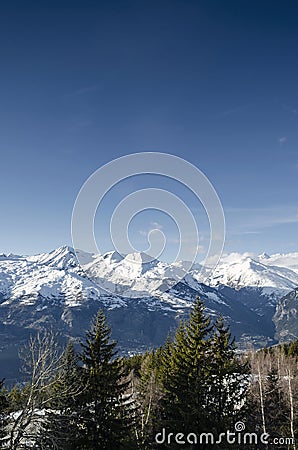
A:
[286,317]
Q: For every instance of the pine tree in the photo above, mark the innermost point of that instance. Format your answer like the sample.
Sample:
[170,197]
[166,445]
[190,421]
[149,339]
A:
[15,397]
[103,417]
[293,348]
[185,375]
[228,381]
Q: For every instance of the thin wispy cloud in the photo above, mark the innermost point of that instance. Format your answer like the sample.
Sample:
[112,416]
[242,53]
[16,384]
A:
[153,227]
[83,91]
[282,140]
[156,226]
[273,209]
[247,233]
[235,110]
[255,220]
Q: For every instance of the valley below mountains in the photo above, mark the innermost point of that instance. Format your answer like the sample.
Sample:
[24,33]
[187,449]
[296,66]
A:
[143,302]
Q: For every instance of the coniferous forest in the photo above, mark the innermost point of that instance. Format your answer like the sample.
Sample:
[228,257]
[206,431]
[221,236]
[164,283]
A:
[196,391]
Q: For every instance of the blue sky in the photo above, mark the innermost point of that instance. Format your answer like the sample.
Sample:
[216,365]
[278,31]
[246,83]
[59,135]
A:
[84,82]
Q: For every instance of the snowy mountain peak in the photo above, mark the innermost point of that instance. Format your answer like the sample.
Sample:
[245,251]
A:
[62,257]
[10,256]
[140,258]
[264,256]
[114,257]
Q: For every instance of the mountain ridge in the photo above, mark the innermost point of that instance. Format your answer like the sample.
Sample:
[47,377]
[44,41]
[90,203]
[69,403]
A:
[143,298]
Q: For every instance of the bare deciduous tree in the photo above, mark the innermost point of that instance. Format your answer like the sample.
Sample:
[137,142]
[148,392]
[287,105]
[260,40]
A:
[43,362]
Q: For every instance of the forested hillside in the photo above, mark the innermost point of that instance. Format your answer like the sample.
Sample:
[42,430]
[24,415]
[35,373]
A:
[196,391]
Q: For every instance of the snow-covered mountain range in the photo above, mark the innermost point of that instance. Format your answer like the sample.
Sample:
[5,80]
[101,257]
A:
[276,273]
[59,273]
[140,296]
